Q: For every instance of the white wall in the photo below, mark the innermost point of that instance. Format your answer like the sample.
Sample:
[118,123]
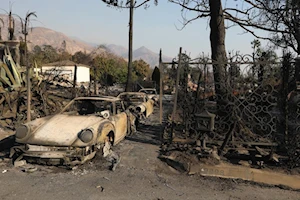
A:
[83,73]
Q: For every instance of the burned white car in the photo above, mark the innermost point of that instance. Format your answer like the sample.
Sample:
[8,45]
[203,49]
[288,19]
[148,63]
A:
[151,92]
[138,101]
[75,134]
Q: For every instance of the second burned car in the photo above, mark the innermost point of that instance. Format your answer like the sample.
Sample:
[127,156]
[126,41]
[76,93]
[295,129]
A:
[151,93]
[139,102]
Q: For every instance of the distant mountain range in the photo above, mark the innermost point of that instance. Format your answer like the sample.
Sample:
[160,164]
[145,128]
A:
[41,36]
[44,36]
[141,53]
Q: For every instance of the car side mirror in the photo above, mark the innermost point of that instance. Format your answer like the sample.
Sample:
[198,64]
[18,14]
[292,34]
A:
[105,114]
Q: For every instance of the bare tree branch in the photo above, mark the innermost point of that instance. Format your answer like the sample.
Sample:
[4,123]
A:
[184,5]
[185,23]
[280,18]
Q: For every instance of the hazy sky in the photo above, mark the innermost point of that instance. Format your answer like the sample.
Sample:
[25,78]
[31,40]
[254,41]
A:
[155,28]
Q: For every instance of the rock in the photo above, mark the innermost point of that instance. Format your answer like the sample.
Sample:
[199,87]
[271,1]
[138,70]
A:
[19,163]
[101,188]
[214,153]
[198,148]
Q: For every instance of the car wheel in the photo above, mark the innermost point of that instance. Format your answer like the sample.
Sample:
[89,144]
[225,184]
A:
[111,137]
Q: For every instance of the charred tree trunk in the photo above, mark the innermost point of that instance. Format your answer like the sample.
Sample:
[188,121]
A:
[75,76]
[217,41]
[129,73]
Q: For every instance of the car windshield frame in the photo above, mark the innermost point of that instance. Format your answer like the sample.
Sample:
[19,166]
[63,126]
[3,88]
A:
[146,91]
[89,106]
[129,96]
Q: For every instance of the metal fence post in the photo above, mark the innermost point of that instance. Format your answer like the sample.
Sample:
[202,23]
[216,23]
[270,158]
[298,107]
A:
[160,88]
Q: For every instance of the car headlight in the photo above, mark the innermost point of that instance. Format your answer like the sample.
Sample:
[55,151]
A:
[140,109]
[154,98]
[22,131]
[86,135]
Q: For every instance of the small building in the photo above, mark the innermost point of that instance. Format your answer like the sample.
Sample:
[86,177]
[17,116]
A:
[66,69]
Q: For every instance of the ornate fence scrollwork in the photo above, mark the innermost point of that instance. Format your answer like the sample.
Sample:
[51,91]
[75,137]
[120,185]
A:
[255,99]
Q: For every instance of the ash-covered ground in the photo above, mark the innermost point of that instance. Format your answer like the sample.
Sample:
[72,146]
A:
[140,175]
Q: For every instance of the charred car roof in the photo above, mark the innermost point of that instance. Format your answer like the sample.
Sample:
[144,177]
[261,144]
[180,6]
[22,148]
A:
[131,93]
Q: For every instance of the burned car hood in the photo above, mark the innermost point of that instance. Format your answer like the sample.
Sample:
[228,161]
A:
[61,130]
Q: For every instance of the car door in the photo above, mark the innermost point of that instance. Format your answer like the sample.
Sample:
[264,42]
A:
[120,119]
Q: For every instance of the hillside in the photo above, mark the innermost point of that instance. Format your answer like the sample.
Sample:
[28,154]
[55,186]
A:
[118,50]
[44,36]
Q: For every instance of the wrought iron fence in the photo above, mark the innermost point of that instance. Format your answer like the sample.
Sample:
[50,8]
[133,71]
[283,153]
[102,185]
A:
[261,104]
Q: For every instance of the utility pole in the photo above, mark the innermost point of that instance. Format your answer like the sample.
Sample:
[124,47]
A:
[130,35]
[132,5]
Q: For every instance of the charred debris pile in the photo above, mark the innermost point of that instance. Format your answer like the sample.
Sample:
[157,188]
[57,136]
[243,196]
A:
[48,93]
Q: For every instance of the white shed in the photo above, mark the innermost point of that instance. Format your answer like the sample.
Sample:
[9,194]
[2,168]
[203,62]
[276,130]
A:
[66,68]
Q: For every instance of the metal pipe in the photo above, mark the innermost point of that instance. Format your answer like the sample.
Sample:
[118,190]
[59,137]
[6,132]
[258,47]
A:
[28,80]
